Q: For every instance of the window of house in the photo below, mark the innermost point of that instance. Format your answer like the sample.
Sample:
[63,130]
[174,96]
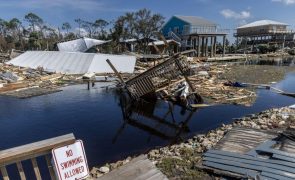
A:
[176,29]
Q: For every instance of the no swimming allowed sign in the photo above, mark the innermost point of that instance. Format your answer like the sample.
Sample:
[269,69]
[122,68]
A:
[70,161]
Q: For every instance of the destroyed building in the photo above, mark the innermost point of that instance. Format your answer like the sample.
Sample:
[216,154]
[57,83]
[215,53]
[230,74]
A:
[194,33]
[265,32]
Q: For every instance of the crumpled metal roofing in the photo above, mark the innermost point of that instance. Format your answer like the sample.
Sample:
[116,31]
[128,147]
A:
[74,62]
[79,45]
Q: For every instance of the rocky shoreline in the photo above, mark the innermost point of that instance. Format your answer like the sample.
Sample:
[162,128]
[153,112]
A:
[180,161]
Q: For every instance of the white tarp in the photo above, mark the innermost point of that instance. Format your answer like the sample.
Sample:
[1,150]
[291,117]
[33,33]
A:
[74,62]
[79,45]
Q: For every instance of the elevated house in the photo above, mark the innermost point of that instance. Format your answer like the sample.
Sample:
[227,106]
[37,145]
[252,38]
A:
[265,32]
[194,33]
[133,45]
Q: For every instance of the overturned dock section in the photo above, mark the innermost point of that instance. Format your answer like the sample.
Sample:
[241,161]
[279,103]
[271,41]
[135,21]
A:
[161,76]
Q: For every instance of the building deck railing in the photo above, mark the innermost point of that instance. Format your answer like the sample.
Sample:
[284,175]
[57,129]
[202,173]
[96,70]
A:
[204,30]
[31,152]
[266,32]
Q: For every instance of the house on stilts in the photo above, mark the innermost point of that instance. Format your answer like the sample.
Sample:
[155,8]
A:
[195,33]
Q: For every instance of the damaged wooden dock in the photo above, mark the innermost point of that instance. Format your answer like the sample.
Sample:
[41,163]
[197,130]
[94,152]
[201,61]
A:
[139,168]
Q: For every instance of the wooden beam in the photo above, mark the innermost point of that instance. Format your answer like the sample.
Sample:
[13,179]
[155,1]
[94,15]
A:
[116,72]
[32,150]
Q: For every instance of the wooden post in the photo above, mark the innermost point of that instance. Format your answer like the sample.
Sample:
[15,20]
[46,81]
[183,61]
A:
[215,41]
[284,41]
[211,53]
[206,47]
[223,46]
[199,46]
[116,72]
[21,171]
[4,173]
[203,41]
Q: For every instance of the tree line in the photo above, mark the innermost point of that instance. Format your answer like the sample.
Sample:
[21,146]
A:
[38,35]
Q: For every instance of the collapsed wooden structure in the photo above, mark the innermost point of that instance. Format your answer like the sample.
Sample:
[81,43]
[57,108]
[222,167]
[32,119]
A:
[160,76]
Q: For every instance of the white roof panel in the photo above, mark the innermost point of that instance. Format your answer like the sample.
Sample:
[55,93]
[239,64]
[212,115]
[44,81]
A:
[79,45]
[123,63]
[262,23]
[74,62]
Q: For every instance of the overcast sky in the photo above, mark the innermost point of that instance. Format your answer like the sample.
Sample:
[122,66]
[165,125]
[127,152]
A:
[228,13]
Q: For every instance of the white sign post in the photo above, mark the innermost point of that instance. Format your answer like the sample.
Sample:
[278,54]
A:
[70,161]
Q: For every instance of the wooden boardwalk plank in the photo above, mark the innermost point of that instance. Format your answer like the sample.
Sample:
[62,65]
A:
[140,168]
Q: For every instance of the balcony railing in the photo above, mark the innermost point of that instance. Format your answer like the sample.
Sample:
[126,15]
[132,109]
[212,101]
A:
[204,30]
[264,32]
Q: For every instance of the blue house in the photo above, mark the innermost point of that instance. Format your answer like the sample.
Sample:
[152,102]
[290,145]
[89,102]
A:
[194,33]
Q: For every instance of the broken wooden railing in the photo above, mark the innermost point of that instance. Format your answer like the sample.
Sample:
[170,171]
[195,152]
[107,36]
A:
[31,152]
[156,77]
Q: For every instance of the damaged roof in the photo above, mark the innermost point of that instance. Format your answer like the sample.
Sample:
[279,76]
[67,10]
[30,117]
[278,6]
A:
[79,45]
[74,62]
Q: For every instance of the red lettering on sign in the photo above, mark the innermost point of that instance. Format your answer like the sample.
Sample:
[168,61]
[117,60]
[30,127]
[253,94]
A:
[69,153]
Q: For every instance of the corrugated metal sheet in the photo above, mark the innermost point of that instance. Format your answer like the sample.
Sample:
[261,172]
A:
[74,62]
[79,45]
[122,63]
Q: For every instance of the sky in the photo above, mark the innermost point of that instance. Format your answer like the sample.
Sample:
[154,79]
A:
[229,14]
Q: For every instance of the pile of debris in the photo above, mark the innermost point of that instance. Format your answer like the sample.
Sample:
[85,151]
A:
[169,81]
[26,82]
[4,57]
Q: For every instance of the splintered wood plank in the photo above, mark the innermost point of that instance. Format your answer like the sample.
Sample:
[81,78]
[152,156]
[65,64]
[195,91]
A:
[36,169]
[140,168]
[32,150]
[50,167]
[4,173]
[21,171]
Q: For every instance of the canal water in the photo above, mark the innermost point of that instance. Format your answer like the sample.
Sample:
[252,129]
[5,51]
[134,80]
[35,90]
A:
[111,132]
